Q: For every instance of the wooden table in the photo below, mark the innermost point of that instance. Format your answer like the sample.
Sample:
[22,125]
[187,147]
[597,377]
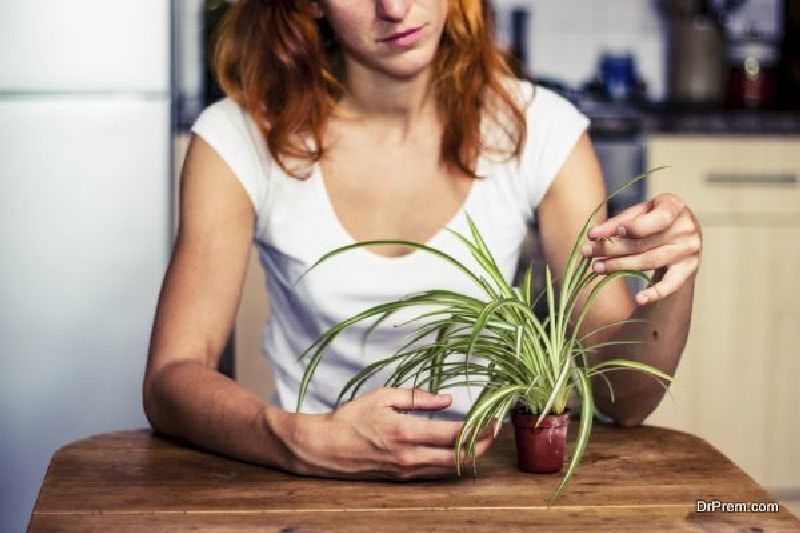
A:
[644,478]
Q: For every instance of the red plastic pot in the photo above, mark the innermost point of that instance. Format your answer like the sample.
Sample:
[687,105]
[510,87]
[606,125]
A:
[541,449]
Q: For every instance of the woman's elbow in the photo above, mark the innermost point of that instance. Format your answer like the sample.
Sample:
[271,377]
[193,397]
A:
[149,402]
[154,396]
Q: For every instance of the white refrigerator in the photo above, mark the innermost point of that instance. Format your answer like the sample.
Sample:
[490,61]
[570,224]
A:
[84,223]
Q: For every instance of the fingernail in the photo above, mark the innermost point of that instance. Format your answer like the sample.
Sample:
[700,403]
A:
[587,249]
[621,231]
[599,267]
[641,298]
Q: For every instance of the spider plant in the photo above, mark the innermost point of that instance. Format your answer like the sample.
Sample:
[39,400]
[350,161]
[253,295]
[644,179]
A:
[525,361]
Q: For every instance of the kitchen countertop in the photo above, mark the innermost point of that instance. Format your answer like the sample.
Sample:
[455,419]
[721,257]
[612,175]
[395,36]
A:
[643,478]
[630,118]
[722,122]
[610,121]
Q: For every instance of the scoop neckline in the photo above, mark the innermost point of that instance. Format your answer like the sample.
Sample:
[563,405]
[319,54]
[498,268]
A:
[347,239]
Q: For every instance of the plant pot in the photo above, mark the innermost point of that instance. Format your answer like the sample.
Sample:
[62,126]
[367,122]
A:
[541,449]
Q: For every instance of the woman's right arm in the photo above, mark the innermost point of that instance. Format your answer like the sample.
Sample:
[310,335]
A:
[186,397]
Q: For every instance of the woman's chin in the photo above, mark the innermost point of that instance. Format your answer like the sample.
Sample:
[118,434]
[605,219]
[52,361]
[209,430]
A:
[406,68]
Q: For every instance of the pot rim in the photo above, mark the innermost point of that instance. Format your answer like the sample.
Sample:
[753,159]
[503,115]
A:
[522,410]
[552,420]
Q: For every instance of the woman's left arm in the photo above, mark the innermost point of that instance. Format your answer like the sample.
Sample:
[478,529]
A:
[661,234]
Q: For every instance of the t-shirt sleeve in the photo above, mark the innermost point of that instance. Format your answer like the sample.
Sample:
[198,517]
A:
[554,126]
[227,128]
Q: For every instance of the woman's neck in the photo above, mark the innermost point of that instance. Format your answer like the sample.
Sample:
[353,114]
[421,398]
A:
[392,106]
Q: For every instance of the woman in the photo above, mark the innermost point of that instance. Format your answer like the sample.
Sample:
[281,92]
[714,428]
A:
[351,120]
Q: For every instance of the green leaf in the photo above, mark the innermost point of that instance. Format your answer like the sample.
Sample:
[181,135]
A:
[615,364]
[584,430]
[478,417]
[410,244]
[527,286]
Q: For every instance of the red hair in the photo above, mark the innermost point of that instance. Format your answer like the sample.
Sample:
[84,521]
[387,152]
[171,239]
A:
[280,64]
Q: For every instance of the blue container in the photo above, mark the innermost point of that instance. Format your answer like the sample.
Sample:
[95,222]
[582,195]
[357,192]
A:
[618,75]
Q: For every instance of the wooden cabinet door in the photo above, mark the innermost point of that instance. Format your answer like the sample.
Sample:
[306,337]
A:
[736,383]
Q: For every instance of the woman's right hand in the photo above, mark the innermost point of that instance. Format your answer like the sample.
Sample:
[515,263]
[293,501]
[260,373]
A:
[370,437]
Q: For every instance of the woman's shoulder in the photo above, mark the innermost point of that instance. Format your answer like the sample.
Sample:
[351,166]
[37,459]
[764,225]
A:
[225,112]
[541,105]
[553,126]
[534,97]
[232,133]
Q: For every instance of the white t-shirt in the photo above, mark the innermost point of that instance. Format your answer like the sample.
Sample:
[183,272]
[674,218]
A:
[296,225]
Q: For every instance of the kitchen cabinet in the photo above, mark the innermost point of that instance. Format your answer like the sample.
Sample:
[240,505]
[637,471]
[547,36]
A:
[253,370]
[736,383]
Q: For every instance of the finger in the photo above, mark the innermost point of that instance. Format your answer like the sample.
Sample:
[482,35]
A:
[423,456]
[484,444]
[663,256]
[620,246]
[418,431]
[416,457]
[660,218]
[415,430]
[416,399]
[425,462]
[609,227]
[673,279]
[428,472]
[682,231]
[490,429]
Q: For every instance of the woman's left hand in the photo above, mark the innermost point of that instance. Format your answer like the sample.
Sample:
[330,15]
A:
[661,234]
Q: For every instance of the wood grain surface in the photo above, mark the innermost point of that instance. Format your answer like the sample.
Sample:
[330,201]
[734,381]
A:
[644,478]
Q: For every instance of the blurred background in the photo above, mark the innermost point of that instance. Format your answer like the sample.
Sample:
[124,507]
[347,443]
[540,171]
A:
[96,98]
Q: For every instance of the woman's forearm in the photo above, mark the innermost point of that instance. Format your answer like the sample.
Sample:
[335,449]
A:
[367,438]
[188,400]
[662,329]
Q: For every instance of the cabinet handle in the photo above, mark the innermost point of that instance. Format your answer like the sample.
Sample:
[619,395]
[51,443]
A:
[752,180]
